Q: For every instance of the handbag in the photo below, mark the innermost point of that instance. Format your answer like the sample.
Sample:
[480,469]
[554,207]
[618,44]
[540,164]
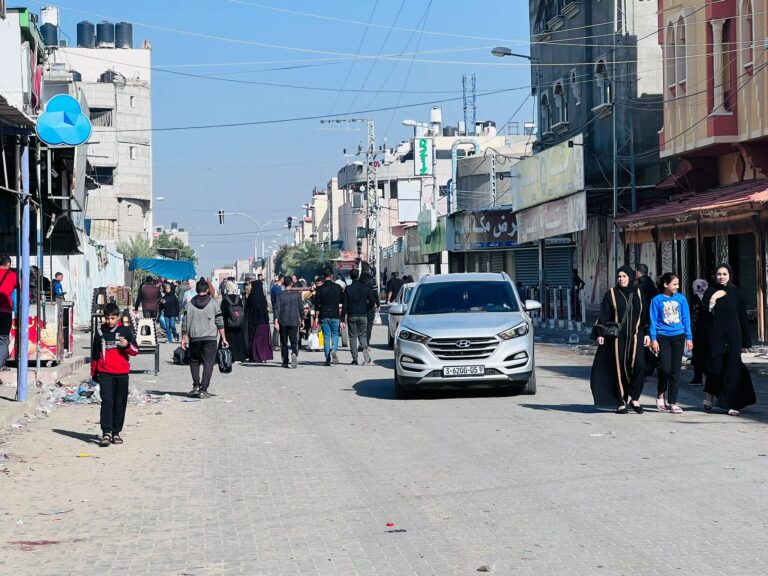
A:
[610,329]
[377,319]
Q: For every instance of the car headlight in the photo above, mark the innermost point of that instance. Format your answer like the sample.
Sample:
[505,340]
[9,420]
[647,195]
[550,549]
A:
[515,332]
[412,336]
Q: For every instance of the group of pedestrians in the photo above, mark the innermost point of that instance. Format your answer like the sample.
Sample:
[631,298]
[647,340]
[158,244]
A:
[641,324]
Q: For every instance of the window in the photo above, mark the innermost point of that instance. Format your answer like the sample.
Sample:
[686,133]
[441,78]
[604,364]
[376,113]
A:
[464,297]
[561,104]
[103,175]
[545,120]
[101,117]
[603,81]
[680,54]
[669,58]
[132,152]
[132,101]
[575,88]
[747,36]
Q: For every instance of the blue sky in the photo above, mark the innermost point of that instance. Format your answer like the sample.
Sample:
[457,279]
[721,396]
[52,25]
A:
[269,170]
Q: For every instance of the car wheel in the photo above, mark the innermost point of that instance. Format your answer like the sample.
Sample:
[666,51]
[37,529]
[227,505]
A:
[401,393]
[530,386]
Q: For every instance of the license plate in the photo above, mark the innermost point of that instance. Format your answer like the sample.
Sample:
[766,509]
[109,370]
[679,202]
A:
[463,370]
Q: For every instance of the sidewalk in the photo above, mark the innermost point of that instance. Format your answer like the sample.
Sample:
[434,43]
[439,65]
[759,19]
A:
[70,370]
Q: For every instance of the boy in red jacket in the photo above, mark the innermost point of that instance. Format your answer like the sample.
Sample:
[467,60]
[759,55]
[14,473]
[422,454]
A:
[110,367]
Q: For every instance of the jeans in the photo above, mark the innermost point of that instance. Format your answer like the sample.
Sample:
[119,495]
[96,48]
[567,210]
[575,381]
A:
[670,359]
[202,352]
[357,330]
[288,333]
[114,400]
[330,327]
[170,329]
[163,321]
[5,330]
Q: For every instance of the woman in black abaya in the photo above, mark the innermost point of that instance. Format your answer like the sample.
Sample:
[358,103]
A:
[618,370]
[725,312]
[257,312]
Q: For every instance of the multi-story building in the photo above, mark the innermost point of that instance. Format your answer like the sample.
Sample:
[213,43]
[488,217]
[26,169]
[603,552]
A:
[116,80]
[597,79]
[716,133]
[173,232]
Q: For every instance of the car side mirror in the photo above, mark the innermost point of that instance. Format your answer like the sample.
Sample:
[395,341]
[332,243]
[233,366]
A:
[532,305]
[397,309]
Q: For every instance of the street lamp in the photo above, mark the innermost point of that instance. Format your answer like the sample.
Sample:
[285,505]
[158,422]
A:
[501,51]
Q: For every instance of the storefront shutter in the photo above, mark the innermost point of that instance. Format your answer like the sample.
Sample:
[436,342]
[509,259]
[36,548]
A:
[526,267]
[557,265]
[497,261]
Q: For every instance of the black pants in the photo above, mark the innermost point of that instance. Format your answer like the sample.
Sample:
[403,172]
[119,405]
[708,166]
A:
[358,326]
[369,327]
[150,313]
[670,359]
[289,333]
[202,351]
[6,319]
[114,400]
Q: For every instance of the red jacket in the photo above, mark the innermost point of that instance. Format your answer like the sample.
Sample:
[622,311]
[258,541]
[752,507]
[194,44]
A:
[107,357]
[9,281]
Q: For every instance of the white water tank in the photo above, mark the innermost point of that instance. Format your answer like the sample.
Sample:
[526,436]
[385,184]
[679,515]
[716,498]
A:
[49,15]
[436,119]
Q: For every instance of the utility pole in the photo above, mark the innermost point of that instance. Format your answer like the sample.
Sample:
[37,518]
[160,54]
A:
[614,128]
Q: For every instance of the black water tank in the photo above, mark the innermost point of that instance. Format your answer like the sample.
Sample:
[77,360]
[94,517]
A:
[86,35]
[449,131]
[50,34]
[124,35]
[76,76]
[105,35]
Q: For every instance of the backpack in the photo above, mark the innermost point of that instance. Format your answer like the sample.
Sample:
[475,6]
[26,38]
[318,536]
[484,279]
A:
[181,356]
[235,312]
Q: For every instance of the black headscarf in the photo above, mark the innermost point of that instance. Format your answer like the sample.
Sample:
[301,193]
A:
[727,266]
[629,272]
[256,306]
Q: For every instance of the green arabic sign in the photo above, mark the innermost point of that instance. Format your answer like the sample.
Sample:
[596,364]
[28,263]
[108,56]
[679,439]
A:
[422,156]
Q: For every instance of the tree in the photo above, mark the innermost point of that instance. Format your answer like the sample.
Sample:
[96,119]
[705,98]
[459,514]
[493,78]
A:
[306,260]
[167,242]
[137,247]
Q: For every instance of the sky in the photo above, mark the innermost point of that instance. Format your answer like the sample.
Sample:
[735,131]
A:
[217,62]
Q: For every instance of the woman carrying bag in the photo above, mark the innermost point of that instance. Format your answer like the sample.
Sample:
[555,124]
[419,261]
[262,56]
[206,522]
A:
[621,331]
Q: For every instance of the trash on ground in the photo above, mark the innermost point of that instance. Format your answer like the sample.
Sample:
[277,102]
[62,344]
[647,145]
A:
[56,513]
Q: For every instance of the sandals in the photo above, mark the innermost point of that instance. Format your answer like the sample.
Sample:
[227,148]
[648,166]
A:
[733,412]
[621,409]
[675,409]
[661,405]
[105,441]
[116,439]
[708,402]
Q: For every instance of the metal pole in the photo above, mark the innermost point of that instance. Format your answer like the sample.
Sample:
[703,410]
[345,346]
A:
[40,265]
[22,321]
[615,141]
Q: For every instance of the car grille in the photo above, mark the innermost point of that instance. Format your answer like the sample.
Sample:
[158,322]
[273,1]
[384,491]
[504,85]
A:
[448,349]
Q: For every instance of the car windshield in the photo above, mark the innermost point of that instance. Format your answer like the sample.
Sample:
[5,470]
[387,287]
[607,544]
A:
[407,291]
[453,297]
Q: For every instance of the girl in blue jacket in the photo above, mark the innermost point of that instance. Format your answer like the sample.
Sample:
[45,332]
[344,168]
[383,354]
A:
[670,336]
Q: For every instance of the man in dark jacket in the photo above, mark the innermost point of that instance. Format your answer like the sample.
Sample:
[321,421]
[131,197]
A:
[358,300]
[368,279]
[288,316]
[148,298]
[329,299]
[274,293]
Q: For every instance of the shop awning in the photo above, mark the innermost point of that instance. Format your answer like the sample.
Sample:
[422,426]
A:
[170,269]
[723,201]
[11,115]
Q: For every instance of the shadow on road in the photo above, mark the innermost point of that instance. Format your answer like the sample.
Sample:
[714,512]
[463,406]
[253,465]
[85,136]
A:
[384,389]
[388,363]
[87,438]
[169,392]
[575,408]
[580,372]
[381,388]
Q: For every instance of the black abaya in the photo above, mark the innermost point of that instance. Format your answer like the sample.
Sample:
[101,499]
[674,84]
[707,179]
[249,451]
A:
[235,336]
[618,370]
[727,333]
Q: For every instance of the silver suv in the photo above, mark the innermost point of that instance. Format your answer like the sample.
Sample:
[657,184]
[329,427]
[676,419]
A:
[463,331]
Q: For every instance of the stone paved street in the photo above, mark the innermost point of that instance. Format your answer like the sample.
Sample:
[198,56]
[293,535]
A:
[300,472]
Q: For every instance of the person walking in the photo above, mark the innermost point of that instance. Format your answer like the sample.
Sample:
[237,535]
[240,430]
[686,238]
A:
[274,293]
[329,301]
[358,300]
[621,331]
[257,314]
[698,325]
[148,298]
[393,286]
[728,380]
[233,312]
[288,318]
[649,291]
[112,347]
[203,325]
[670,331]
[367,278]
[9,282]
[171,310]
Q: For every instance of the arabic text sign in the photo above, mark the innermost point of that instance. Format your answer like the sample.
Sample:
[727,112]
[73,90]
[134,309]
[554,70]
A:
[554,173]
[555,218]
[479,230]
[422,156]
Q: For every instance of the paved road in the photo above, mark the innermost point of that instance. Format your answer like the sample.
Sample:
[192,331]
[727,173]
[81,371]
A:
[300,472]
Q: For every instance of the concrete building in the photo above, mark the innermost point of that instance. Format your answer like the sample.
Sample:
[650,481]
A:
[716,134]
[173,232]
[117,86]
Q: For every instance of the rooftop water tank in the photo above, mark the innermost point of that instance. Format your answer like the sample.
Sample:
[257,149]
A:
[86,35]
[124,35]
[50,34]
[489,128]
[49,15]
[105,35]
[449,131]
